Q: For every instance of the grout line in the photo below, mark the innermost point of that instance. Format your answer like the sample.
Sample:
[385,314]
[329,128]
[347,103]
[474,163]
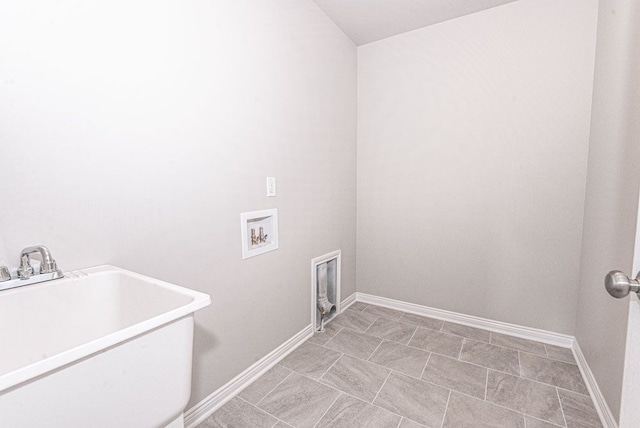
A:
[542,420]
[383,384]
[359,310]
[560,361]
[532,380]
[542,356]
[413,335]
[546,351]
[326,411]
[259,409]
[429,328]
[492,403]
[507,347]
[460,351]
[331,366]
[484,367]
[374,351]
[451,390]
[561,408]
[519,365]
[446,408]
[328,341]
[565,389]
[486,385]
[399,422]
[372,322]
[573,362]
[370,325]
[425,366]
[369,362]
[272,389]
[279,420]
[354,397]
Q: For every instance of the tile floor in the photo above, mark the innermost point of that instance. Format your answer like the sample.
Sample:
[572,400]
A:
[377,367]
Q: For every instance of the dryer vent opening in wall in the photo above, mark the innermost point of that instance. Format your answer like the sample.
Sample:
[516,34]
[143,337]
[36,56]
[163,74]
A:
[325,288]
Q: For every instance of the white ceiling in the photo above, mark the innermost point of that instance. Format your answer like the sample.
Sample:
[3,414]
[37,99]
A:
[365,21]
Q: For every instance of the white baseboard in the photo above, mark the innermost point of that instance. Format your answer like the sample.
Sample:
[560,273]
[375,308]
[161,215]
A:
[348,302]
[215,400]
[538,335]
[606,417]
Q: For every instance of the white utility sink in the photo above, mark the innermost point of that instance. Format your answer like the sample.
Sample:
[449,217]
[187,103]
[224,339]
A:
[103,347]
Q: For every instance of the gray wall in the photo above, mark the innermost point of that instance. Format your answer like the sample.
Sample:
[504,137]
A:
[611,205]
[472,151]
[135,133]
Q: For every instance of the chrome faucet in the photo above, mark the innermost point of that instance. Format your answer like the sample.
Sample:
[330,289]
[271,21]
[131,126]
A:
[25,275]
[48,265]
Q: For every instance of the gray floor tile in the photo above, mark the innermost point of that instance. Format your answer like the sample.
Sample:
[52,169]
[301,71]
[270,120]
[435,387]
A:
[419,321]
[518,344]
[379,311]
[457,375]
[491,356]
[435,341]
[238,413]
[396,388]
[356,344]
[413,399]
[405,359]
[310,360]
[349,412]
[358,306]
[407,423]
[537,423]
[299,401]
[579,408]
[330,330]
[575,424]
[391,330]
[264,384]
[356,377]
[468,412]
[559,353]
[553,372]
[524,396]
[466,331]
[354,320]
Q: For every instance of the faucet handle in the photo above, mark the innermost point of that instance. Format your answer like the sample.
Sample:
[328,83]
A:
[25,270]
[48,266]
[5,275]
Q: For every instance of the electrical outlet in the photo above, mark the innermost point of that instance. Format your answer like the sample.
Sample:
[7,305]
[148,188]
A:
[271,186]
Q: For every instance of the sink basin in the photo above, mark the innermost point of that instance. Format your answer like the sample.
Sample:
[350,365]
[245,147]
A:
[101,343]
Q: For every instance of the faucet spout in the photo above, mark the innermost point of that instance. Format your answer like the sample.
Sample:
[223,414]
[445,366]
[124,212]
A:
[48,264]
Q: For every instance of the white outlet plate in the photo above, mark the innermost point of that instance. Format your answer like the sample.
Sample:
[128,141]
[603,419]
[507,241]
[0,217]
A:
[271,186]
